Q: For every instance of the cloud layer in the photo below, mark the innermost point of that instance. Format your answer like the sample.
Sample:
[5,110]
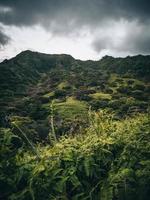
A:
[122,25]
[123,36]
[4,39]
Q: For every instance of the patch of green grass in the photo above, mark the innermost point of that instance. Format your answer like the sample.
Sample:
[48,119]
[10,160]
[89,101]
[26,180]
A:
[71,108]
[100,95]
[50,94]
[62,85]
[113,77]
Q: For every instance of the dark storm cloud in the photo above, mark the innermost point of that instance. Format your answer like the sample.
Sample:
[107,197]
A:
[135,39]
[68,16]
[132,43]
[4,39]
[81,12]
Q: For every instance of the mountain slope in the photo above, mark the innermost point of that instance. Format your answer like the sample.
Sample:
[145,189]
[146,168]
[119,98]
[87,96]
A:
[138,66]
[31,81]
[26,68]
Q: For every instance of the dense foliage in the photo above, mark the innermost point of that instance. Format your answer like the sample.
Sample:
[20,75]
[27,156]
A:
[72,129]
[31,81]
[110,160]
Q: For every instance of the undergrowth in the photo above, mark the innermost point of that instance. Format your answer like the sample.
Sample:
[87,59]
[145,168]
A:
[107,161]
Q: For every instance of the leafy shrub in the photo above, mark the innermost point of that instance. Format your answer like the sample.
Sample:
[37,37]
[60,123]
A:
[26,125]
[97,104]
[139,87]
[125,90]
[138,94]
[130,82]
[9,147]
[59,93]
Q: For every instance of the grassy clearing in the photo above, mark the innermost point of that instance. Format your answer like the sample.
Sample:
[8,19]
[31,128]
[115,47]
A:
[71,108]
[100,95]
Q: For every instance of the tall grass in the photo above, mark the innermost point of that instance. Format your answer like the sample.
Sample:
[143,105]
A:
[109,160]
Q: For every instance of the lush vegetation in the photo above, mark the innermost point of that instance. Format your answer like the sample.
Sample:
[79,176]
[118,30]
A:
[109,160]
[72,129]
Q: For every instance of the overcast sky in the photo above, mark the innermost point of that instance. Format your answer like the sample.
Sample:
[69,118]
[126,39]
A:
[85,29]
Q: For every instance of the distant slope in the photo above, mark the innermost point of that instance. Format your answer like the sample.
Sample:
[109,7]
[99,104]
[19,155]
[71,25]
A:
[26,68]
[137,65]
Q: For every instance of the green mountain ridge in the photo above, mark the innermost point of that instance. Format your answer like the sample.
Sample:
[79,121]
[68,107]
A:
[28,67]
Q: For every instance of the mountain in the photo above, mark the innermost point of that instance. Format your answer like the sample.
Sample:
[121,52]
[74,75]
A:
[26,68]
[72,129]
[31,81]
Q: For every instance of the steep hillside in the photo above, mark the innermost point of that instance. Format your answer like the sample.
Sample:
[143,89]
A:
[31,81]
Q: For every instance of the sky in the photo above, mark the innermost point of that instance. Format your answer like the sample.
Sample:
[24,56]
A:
[85,29]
